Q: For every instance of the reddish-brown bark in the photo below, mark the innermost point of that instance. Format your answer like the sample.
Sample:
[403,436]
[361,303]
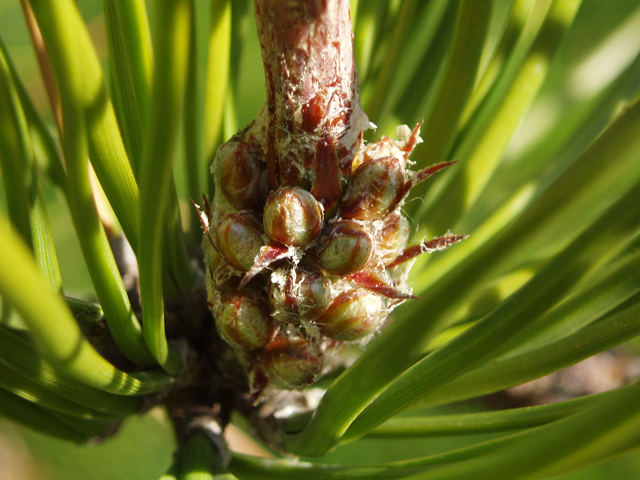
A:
[314,119]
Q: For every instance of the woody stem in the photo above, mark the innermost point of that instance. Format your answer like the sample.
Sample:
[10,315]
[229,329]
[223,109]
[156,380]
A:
[313,114]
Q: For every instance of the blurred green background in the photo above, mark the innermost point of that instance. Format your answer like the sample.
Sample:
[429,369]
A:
[605,33]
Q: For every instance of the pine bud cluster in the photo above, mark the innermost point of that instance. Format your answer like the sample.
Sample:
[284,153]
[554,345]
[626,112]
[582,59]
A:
[292,277]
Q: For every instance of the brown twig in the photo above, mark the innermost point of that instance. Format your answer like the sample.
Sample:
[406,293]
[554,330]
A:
[314,118]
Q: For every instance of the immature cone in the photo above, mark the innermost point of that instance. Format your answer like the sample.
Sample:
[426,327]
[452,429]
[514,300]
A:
[353,315]
[291,362]
[245,177]
[301,294]
[244,322]
[293,217]
[304,213]
[239,239]
[375,188]
[393,237]
[344,248]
